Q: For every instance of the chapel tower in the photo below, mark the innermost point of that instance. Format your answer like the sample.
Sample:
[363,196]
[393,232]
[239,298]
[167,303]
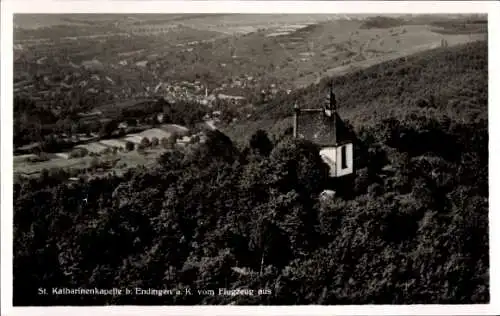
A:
[324,127]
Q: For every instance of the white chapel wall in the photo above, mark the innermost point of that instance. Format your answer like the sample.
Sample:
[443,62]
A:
[329,155]
[332,156]
[349,163]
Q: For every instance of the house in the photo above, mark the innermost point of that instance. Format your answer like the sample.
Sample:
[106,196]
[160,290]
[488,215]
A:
[208,100]
[63,155]
[22,84]
[231,98]
[141,63]
[184,141]
[30,148]
[208,125]
[175,129]
[42,60]
[110,80]
[159,117]
[134,139]
[154,133]
[123,125]
[25,158]
[84,137]
[92,65]
[325,128]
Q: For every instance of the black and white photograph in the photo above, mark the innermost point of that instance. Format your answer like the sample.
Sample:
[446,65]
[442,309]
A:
[267,159]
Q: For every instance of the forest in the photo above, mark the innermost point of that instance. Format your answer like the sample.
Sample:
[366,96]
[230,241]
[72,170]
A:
[463,25]
[451,81]
[410,228]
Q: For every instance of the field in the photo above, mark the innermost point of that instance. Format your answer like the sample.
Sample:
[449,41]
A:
[305,53]
[289,50]
[337,47]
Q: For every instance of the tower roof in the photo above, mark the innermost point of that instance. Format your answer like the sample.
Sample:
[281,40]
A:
[324,130]
[323,126]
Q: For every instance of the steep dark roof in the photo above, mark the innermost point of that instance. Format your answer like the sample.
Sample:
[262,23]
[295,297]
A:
[320,129]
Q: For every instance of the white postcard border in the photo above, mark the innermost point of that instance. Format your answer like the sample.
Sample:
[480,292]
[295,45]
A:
[44,6]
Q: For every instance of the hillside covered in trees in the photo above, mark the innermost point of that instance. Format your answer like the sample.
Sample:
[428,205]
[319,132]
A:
[451,81]
[411,229]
